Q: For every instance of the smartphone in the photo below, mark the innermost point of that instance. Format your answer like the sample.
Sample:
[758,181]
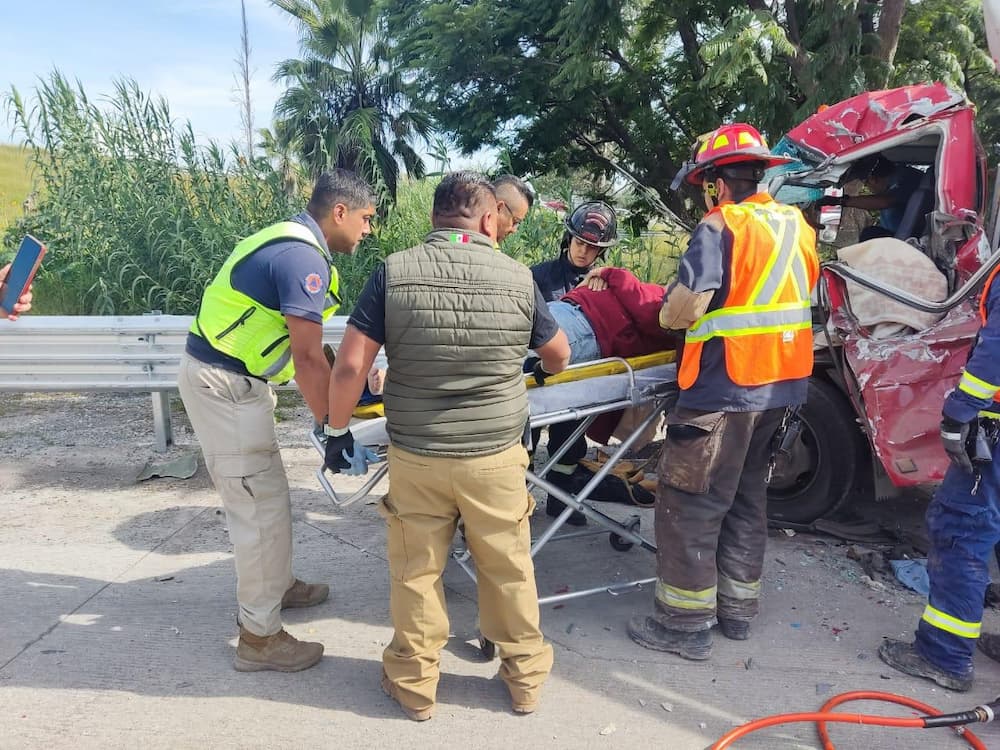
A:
[22,271]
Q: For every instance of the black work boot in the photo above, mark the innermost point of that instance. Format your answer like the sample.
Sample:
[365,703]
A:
[570,484]
[904,657]
[554,506]
[734,630]
[989,644]
[649,633]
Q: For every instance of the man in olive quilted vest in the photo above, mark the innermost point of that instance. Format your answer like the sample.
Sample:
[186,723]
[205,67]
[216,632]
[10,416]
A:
[457,318]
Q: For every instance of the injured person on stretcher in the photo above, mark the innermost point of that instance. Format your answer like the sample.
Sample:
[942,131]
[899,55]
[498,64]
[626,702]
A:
[610,314]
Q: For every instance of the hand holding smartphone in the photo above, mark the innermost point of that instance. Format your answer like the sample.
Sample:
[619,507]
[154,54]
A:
[15,279]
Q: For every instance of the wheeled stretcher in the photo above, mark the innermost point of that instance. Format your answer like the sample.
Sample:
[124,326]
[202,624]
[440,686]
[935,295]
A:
[582,393]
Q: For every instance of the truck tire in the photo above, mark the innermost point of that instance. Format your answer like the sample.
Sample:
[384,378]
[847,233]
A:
[825,462]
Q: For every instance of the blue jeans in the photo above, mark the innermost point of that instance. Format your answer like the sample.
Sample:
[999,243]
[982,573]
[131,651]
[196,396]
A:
[582,341]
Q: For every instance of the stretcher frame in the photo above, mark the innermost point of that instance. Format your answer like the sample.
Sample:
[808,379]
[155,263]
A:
[623,535]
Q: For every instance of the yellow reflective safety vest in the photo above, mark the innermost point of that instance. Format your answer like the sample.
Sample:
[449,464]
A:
[765,321]
[241,327]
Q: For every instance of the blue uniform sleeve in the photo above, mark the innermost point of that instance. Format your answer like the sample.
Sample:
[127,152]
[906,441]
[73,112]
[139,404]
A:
[302,279]
[543,325]
[981,379]
[700,268]
[369,312]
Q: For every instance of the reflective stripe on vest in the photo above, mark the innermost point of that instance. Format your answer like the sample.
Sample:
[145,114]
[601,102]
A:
[765,322]
[949,624]
[679,598]
[970,383]
[239,326]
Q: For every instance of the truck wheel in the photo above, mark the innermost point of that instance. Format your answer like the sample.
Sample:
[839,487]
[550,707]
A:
[824,463]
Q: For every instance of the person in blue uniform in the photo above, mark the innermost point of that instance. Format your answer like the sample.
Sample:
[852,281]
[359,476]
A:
[963,519]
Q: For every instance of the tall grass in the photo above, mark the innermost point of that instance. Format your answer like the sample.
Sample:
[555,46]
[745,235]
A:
[137,216]
[16,185]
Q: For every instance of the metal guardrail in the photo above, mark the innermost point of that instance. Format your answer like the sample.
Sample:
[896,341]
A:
[105,353]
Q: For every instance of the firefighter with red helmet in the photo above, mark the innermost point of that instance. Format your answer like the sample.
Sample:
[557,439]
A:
[963,520]
[742,298]
[590,230]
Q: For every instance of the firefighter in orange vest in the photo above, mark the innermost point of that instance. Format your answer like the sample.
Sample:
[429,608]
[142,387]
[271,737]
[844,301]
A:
[742,297]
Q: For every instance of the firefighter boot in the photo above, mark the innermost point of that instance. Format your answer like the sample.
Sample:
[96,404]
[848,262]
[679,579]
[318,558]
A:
[989,644]
[734,630]
[648,632]
[302,594]
[279,652]
[904,657]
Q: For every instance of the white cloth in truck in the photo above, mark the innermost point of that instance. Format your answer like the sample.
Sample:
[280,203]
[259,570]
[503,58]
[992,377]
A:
[903,266]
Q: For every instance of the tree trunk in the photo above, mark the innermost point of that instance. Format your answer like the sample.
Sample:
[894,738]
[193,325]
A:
[889,23]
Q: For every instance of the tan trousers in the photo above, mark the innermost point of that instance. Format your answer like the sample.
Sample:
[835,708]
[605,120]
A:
[427,495]
[233,417]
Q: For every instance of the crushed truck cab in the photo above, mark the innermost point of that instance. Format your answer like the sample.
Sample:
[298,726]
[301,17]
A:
[894,317]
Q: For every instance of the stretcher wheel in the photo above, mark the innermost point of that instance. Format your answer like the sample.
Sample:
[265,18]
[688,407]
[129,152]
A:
[487,647]
[621,544]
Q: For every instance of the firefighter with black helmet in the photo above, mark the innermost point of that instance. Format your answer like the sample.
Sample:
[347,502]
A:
[742,299]
[590,230]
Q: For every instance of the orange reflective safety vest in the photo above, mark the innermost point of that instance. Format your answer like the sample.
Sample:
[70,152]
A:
[969,383]
[764,322]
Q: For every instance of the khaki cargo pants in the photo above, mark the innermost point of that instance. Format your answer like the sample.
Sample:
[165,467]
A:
[233,417]
[427,495]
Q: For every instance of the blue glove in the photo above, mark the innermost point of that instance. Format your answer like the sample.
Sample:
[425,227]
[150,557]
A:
[346,455]
[359,459]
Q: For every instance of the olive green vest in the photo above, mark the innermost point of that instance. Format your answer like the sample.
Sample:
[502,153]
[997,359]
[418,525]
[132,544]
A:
[238,325]
[458,318]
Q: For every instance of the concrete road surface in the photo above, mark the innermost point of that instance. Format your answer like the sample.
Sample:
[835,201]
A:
[117,621]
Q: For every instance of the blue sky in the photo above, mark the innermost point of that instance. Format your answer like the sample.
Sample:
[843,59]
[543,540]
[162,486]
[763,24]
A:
[184,50]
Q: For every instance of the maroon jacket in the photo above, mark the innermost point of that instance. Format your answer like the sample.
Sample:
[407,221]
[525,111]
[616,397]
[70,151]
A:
[625,316]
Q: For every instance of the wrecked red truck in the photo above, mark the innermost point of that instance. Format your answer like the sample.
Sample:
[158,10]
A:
[894,317]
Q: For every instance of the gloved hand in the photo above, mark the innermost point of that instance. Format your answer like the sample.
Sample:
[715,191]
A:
[955,438]
[346,455]
[539,373]
[831,200]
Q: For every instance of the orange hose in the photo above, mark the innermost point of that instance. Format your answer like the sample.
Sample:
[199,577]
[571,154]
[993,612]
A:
[824,715]
[902,700]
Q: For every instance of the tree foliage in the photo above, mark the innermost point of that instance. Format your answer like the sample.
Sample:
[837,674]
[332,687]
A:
[346,104]
[591,84]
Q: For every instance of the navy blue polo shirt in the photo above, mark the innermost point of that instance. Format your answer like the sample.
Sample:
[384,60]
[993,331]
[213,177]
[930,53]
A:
[288,275]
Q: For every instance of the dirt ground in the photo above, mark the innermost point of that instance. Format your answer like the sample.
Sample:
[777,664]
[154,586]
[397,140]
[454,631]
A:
[117,618]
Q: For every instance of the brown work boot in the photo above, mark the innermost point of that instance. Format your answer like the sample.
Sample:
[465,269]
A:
[989,644]
[523,702]
[524,708]
[279,652]
[302,594]
[414,714]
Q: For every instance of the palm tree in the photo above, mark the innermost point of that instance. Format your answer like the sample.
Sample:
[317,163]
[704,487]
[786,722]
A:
[346,104]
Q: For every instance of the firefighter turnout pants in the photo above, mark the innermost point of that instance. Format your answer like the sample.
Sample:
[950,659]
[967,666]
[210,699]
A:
[963,529]
[711,516]
[427,496]
[233,418]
